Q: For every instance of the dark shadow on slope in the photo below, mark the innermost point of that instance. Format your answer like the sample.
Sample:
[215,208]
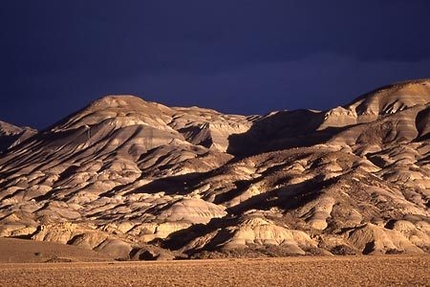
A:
[241,186]
[287,198]
[282,130]
[6,141]
[115,190]
[68,172]
[180,238]
[16,140]
[422,122]
[27,236]
[197,135]
[172,185]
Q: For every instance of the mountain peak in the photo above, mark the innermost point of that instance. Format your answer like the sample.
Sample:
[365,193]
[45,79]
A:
[9,129]
[117,101]
[122,110]
[392,98]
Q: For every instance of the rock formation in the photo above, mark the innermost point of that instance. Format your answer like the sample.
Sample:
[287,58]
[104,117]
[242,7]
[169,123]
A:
[139,180]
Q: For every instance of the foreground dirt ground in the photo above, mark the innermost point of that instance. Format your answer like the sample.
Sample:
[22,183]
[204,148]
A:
[304,271]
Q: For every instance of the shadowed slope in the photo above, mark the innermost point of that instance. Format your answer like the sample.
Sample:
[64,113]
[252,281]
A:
[11,135]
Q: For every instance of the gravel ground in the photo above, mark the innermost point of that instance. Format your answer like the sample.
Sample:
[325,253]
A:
[391,270]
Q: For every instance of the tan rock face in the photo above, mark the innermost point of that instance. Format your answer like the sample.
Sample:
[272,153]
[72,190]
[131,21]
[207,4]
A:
[128,178]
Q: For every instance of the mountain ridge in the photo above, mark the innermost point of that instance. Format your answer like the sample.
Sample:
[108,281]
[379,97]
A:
[124,176]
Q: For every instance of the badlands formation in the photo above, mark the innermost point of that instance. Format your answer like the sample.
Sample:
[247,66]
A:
[138,180]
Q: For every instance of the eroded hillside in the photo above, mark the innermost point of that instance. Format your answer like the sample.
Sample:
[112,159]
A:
[139,180]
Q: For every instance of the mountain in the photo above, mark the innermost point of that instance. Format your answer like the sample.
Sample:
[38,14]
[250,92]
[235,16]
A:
[139,180]
[11,135]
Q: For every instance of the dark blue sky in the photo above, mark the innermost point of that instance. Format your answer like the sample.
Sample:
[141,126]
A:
[246,57]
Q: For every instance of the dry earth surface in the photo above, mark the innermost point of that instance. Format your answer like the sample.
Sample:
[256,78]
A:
[392,270]
[30,251]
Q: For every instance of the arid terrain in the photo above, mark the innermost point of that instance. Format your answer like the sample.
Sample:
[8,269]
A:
[391,270]
[40,263]
[137,180]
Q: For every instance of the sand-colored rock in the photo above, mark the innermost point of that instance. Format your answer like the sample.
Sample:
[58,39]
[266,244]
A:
[115,248]
[136,179]
[264,232]
[372,239]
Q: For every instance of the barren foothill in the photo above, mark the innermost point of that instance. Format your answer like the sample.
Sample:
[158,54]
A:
[393,270]
[137,180]
[30,251]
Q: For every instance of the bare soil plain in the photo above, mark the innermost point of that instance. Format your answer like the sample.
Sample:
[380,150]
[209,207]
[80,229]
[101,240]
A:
[393,270]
